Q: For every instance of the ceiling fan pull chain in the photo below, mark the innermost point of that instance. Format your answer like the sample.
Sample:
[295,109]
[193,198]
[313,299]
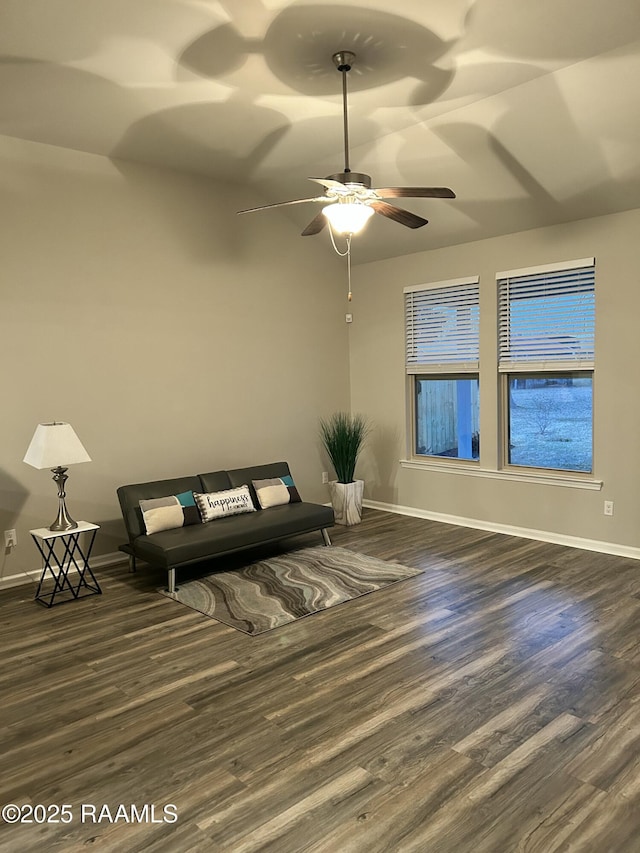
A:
[333,240]
[344,254]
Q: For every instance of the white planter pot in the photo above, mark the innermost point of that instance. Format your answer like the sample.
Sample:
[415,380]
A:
[346,500]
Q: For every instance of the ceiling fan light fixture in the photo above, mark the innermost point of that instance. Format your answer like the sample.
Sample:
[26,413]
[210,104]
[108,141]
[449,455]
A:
[348,216]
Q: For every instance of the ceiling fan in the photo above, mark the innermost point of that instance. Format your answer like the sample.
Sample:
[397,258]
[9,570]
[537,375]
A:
[349,198]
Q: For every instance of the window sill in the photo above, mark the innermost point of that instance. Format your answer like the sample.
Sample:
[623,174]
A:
[471,470]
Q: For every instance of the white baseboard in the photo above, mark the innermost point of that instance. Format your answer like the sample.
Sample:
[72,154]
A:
[523,532]
[33,575]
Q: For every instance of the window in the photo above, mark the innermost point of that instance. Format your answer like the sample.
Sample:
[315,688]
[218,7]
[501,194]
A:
[546,360]
[442,358]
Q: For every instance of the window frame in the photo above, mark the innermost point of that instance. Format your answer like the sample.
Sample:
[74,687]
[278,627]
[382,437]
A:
[438,370]
[529,368]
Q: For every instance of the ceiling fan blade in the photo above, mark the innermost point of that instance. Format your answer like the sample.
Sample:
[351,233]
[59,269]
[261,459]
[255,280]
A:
[415,192]
[316,225]
[328,182]
[283,203]
[404,217]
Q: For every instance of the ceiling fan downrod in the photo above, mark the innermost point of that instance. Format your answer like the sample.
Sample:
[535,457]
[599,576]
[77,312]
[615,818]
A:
[343,60]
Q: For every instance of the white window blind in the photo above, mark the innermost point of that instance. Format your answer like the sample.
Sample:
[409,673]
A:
[547,317]
[442,327]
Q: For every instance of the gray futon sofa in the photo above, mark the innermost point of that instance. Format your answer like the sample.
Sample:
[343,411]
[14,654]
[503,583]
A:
[182,546]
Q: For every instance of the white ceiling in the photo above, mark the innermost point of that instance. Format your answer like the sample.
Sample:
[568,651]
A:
[527,109]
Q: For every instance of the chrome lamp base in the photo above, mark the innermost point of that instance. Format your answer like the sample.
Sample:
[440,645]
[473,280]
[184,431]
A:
[63,520]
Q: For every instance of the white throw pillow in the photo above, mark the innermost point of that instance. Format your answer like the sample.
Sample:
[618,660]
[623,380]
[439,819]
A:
[276,491]
[212,505]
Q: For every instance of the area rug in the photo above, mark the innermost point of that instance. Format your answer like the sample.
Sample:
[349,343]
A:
[264,595]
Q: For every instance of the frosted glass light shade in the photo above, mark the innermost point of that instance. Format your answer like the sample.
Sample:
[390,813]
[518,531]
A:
[55,445]
[348,217]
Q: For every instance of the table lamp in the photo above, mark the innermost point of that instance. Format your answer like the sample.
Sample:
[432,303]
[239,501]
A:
[57,446]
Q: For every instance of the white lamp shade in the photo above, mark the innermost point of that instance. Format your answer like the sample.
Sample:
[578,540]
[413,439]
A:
[55,445]
[348,217]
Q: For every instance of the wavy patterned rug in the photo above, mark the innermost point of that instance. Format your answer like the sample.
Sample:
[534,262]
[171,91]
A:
[266,594]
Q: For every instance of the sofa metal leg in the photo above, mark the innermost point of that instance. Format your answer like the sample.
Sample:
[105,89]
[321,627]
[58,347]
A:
[172,580]
[132,563]
[325,536]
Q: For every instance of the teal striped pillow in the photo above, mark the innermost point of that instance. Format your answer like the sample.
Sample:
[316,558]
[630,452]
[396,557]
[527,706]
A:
[168,513]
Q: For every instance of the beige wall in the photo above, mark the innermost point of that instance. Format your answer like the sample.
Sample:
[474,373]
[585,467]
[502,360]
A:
[174,336]
[378,382]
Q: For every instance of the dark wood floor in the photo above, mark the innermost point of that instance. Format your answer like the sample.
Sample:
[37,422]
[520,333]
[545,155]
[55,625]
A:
[491,704]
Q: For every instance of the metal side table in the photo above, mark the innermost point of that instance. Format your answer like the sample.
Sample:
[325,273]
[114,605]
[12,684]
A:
[62,553]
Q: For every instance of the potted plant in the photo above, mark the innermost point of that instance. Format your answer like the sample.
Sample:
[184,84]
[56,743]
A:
[343,435]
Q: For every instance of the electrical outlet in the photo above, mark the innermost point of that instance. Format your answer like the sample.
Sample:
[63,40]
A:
[10,538]
[608,507]
[325,476]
